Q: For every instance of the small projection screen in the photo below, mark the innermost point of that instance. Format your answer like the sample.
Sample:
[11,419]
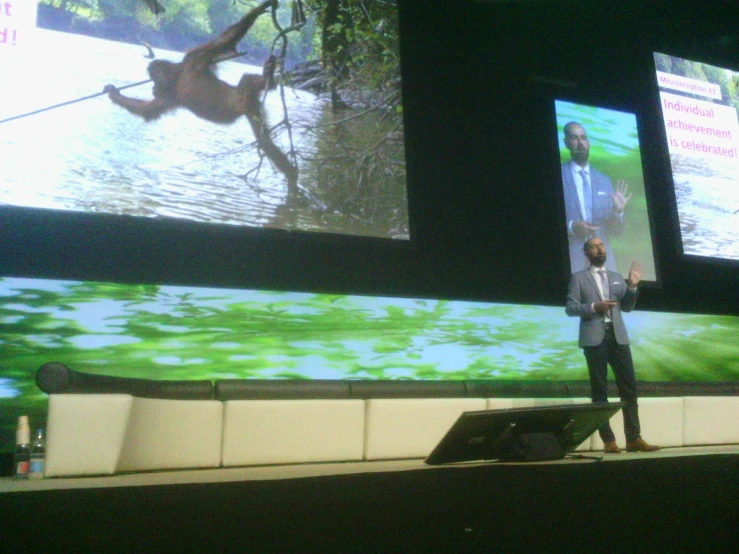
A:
[613,158]
[699,110]
[66,146]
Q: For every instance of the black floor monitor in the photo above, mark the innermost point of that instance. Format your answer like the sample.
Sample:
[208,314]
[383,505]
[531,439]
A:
[521,434]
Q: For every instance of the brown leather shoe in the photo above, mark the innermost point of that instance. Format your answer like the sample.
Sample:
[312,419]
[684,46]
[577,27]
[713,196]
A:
[610,447]
[640,445]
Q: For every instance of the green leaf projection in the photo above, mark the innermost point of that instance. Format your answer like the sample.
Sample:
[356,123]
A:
[167,332]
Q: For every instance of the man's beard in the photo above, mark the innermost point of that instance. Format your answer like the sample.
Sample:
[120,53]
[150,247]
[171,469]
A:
[580,156]
[598,260]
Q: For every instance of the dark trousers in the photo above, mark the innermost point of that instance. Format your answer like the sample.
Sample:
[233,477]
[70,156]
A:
[619,358]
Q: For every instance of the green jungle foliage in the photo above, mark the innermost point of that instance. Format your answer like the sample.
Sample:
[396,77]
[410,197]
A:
[160,332]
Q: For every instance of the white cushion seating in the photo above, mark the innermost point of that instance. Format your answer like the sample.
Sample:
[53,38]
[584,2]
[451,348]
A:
[259,432]
[711,420]
[662,421]
[172,434]
[411,427]
[84,433]
[101,434]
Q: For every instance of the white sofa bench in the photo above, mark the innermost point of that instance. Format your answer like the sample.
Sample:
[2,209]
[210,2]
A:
[98,434]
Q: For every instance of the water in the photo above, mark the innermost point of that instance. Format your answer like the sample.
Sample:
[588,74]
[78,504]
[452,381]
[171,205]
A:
[707,199]
[93,156]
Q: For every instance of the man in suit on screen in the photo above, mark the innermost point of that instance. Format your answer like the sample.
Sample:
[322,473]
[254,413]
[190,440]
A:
[598,297]
[592,207]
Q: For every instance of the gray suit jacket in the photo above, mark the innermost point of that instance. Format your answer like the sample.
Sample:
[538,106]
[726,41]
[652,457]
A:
[583,291]
[602,216]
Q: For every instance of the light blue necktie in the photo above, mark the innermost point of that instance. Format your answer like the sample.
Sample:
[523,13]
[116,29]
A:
[606,289]
[604,284]
[587,196]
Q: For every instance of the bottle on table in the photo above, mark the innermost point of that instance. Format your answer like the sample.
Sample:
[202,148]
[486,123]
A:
[22,455]
[37,456]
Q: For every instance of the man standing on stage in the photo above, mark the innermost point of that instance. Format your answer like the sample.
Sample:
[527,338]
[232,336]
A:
[592,207]
[598,297]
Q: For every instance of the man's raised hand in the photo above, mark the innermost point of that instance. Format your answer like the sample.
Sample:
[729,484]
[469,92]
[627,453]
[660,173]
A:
[634,275]
[620,197]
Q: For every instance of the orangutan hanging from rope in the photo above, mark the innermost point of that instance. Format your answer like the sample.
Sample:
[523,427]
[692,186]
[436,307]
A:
[192,84]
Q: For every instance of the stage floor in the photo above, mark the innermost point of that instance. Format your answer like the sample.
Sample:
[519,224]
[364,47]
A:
[297,471]
[674,500]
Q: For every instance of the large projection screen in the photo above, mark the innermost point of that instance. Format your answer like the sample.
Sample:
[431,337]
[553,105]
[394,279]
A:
[613,156]
[699,110]
[335,115]
[178,333]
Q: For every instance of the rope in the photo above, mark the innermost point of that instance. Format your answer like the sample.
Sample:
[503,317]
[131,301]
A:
[71,102]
